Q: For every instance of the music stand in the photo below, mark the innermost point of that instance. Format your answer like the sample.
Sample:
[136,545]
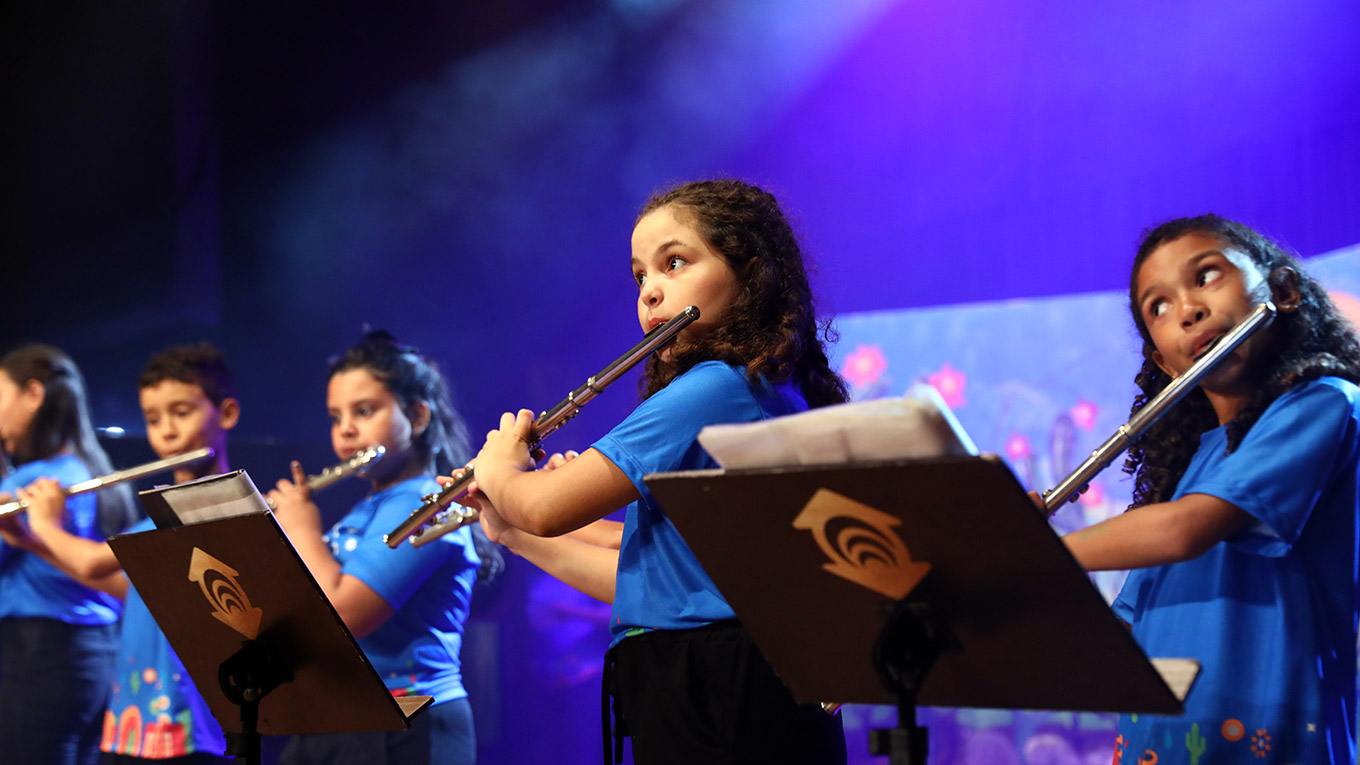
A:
[932,581]
[252,627]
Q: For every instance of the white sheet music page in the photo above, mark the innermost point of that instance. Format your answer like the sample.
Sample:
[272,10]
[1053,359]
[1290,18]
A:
[919,424]
[204,499]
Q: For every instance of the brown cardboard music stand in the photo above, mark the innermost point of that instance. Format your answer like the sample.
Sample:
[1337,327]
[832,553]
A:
[247,619]
[930,581]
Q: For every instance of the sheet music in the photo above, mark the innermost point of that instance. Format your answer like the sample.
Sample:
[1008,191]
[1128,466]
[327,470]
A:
[919,424]
[204,499]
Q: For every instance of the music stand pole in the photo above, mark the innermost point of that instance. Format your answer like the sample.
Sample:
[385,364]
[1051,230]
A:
[911,640]
[246,677]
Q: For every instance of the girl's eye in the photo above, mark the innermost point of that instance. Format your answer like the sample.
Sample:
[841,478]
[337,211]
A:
[1208,274]
[1157,308]
[640,278]
[153,420]
[364,411]
[675,262]
[334,418]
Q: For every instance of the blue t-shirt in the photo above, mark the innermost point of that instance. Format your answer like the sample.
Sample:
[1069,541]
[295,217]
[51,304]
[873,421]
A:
[32,587]
[154,711]
[1270,612]
[429,588]
[660,584]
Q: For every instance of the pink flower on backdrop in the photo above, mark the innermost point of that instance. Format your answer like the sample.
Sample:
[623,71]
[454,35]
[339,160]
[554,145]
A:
[1083,414]
[1094,495]
[1347,303]
[950,383]
[1018,446]
[864,366]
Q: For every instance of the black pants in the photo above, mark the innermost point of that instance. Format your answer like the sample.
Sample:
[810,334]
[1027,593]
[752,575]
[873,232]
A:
[708,695]
[54,685]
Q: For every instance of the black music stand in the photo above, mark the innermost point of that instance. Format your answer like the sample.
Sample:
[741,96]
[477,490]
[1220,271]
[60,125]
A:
[253,628]
[933,582]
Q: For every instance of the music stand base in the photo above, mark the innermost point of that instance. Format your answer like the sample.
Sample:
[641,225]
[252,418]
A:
[907,744]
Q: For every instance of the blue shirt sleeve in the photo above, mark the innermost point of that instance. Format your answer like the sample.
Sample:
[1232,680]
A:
[662,433]
[1284,463]
[396,574]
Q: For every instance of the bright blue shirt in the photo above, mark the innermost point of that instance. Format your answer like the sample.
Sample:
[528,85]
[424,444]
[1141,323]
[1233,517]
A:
[154,711]
[1270,612]
[429,588]
[32,587]
[660,584]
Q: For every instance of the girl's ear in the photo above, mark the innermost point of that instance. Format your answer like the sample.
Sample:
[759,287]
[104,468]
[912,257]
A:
[33,393]
[420,418]
[1284,289]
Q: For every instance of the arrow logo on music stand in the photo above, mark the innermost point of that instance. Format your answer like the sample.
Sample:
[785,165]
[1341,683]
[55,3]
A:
[860,543]
[231,605]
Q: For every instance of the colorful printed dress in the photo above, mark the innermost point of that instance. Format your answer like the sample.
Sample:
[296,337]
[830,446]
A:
[155,712]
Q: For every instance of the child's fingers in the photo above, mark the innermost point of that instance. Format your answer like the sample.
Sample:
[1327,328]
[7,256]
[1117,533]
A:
[524,423]
[559,459]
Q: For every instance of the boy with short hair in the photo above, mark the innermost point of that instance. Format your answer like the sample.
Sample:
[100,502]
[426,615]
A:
[188,401]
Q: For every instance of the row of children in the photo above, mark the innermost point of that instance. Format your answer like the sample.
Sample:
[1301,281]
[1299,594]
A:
[72,683]
[1242,533]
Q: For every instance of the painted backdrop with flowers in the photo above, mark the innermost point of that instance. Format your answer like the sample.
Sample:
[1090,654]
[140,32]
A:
[1042,383]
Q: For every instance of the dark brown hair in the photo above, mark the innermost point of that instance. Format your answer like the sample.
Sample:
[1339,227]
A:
[202,365]
[771,330]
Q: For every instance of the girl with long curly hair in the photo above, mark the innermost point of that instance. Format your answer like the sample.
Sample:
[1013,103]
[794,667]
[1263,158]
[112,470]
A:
[1242,531]
[690,686]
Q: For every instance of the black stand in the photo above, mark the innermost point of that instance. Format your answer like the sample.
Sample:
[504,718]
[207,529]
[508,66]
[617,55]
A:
[936,581]
[246,677]
[911,640]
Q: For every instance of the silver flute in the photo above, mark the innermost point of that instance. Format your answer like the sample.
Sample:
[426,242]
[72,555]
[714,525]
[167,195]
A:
[1072,486]
[119,476]
[358,464]
[437,511]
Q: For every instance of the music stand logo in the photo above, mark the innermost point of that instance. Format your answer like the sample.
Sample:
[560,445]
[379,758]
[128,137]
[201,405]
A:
[861,544]
[231,604]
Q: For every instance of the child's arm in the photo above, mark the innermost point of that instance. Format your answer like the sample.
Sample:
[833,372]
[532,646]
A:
[362,609]
[607,534]
[85,560]
[586,559]
[1157,535]
[590,568]
[546,503]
